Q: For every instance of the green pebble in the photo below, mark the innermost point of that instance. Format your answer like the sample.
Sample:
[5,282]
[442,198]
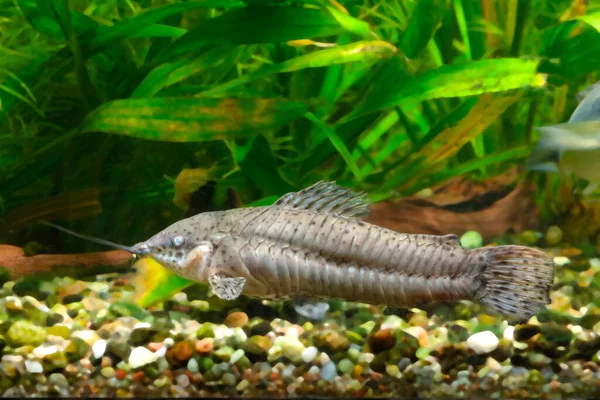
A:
[346,366]
[4,275]
[160,382]
[59,330]
[200,305]
[422,352]
[530,237]
[23,333]
[535,377]
[554,235]
[368,326]
[354,355]
[224,353]
[471,240]
[228,379]
[55,361]
[244,363]
[361,331]
[205,363]
[392,370]
[207,330]
[355,338]
[77,349]
[107,372]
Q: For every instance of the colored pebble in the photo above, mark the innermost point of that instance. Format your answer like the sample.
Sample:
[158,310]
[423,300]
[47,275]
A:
[483,342]
[236,320]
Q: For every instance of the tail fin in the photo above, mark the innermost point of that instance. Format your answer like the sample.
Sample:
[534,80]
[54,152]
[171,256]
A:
[516,280]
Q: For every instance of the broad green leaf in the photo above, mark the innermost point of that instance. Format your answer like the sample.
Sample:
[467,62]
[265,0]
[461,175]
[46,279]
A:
[424,21]
[154,283]
[456,80]
[350,23]
[261,167]
[261,24]
[41,15]
[592,19]
[367,52]
[130,27]
[170,73]
[176,119]
[571,55]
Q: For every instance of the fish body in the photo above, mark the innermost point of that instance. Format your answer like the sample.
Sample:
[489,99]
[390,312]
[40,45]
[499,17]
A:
[574,146]
[314,244]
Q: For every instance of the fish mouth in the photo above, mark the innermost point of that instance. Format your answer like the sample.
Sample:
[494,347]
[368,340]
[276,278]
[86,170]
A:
[140,249]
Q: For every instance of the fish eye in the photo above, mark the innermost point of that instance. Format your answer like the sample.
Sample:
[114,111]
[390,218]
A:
[177,241]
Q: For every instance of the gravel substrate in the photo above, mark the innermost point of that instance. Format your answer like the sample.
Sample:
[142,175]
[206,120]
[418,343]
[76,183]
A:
[66,337]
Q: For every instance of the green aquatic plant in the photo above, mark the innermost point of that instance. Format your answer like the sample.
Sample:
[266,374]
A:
[391,97]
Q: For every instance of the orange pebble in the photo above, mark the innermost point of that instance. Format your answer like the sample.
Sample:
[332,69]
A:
[120,374]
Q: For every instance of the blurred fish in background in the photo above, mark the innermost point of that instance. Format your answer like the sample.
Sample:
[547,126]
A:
[574,146]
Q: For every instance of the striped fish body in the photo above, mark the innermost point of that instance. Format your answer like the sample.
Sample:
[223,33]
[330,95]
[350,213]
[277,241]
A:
[314,244]
[297,253]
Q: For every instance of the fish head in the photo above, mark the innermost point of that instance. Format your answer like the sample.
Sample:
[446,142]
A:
[180,248]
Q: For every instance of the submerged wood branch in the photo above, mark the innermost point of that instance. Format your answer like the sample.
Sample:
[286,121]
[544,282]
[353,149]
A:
[19,265]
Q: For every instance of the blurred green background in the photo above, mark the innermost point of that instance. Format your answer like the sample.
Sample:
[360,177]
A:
[112,113]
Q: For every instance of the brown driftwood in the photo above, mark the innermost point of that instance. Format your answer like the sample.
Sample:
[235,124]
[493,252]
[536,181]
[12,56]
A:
[514,211]
[19,265]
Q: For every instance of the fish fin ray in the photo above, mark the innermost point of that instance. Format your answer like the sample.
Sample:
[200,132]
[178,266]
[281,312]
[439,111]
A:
[327,197]
[226,288]
[516,280]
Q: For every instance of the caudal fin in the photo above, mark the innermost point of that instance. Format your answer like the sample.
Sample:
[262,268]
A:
[516,280]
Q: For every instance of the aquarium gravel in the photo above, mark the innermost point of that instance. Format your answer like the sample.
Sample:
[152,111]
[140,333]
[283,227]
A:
[67,337]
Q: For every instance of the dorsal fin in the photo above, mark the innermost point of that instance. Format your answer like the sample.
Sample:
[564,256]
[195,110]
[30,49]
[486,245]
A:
[327,197]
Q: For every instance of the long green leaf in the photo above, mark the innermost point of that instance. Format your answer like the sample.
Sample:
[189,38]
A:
[39,13]
[457,80]
[168,74]
[424,21]
[130,27]
[191,119]
[355,52]
[261,24]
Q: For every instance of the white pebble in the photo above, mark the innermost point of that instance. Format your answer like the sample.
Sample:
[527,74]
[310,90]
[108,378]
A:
[560,261]
[368,357]
[33,367]
[392,322]
[141,356]
[180,297]
[483,342]
[168,342]
[313,370]
[309,354]
[236,356]
[222,332]
[160,352]
[98,348]
[183,380]
[141,325]
[44,350]
[324,358]
[509,333]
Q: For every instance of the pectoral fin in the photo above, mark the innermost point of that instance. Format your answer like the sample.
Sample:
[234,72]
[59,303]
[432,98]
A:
[225,287]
